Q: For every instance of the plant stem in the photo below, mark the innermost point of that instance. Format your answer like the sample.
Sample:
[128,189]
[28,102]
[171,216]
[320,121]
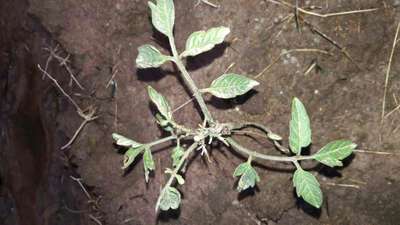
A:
[176,170]
[258,155]
[160,141]
[189,81]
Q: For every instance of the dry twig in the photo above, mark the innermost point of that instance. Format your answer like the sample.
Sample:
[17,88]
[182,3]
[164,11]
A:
[288,5]
[290,51]
[63,62]
[87,117]
[207,3]
[388,72]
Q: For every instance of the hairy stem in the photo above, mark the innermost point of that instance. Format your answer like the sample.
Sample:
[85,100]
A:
[258,155]
[176,171]
[189,81]
[160,141]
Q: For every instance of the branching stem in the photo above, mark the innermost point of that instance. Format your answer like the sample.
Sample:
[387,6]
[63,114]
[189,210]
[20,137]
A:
[160,141]
[189,81]
[178,167]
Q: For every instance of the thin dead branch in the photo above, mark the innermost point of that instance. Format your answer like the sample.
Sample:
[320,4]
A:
[291,51]
[373,152]
[388,72]
[78,109]
[343,185]
[317,31]
[53,53]
[288,5]
[207,3]
[87,115]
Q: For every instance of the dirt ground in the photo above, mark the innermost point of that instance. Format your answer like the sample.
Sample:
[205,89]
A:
[343,95]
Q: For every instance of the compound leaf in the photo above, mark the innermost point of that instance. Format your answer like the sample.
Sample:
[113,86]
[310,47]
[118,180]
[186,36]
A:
[307,187]
[230,85]
[149,57]
[161,103]
[335,151]
[300,130]
[124,141]
[248,176]
[163,16]
[202,41]
[130,156]
[148,163]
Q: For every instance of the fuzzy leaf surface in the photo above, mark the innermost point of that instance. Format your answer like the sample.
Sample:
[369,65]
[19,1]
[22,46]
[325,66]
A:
[335,151]
[150,57]
[163,16]
[161,103]
[307,187]
[300,130]
[248,176]
[230,85]
[202,41]
[170,199]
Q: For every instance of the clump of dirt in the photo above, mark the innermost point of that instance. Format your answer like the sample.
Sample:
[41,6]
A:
[343,94]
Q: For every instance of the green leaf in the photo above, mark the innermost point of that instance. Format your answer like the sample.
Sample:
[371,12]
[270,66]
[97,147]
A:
[307,187]
[335,151]
[124,141]
[164,124]
[130,156]
[248,176]
[148,163]
[170,198]
[149,57]
[161,103]
[202,41]
[177,154]
[163,16]
[300,131]
[230,85]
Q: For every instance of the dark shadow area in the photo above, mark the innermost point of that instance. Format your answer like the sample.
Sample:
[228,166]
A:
[307,208]
[249,192]
[168,216]
[206,58]
[225,104]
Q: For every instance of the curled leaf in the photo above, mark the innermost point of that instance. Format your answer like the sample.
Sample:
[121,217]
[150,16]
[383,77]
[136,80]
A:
[248,176]
[124,141]
[170,198]
[148,163]
[149,57]
[130,156]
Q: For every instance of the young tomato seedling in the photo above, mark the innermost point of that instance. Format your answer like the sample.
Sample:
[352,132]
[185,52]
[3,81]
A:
[226,86]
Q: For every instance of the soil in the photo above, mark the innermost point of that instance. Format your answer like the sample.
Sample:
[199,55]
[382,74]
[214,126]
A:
[343,97]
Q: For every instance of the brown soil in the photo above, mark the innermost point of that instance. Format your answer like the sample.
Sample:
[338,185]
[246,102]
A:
[344,101]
